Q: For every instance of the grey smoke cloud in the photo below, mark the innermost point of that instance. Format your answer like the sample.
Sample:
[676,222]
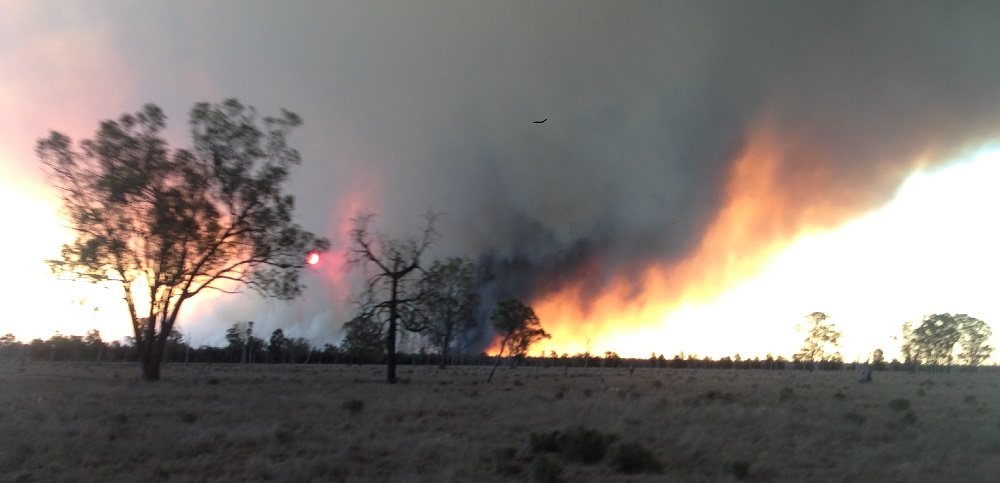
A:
[428,105]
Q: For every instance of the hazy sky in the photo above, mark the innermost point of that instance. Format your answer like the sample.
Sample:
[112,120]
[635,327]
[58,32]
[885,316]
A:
[688,146]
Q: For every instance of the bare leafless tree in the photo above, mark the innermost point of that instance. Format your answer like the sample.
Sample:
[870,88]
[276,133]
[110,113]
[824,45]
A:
[391,291]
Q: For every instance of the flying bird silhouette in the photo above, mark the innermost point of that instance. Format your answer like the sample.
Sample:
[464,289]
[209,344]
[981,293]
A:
[539,122]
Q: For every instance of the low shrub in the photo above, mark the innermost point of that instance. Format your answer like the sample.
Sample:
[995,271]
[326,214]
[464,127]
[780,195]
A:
[505,462]
[546,442]
[900,404]
[585,445]
[547,468]
[632,458]
[353,406]
[740,469]
[718,396]
[854,417]
[577,444]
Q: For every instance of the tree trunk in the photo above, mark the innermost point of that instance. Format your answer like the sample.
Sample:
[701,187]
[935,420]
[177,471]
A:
[495,364]
[444,357]
[390,347]
[390,338]
[149,361]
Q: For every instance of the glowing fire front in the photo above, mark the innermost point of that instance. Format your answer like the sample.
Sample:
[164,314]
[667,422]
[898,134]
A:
[777,190]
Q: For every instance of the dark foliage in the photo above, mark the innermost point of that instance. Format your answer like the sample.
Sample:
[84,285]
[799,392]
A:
[167,225]
[547,468]
[900,404]
[632,458]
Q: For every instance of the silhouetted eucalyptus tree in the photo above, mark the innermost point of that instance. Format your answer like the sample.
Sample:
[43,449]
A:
[974,337]
[364,340]
[934,340]
[819,335]
[243,344]
[878,359]
[518,328]
[277,346]
[389,292]
[449,303]
[167,226]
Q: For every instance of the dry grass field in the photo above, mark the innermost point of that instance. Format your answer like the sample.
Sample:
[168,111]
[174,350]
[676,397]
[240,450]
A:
[96,422]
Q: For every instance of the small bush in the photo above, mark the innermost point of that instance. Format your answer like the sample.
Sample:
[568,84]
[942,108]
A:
[544,442]
[585,445]
[632,458]
[189,418]
[786,394]
[505,462]
[284,435]
[970,398]
[839,395]
[547,468]
[719,396]
[900,404]
[354,406]
[909,417]
[740,469]
[854,417]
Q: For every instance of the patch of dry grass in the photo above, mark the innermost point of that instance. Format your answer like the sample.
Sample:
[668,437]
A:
[97,422]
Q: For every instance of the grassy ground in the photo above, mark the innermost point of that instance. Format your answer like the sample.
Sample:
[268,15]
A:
[96,422]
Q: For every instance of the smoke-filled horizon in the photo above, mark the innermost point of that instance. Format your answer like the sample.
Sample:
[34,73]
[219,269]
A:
[686,142]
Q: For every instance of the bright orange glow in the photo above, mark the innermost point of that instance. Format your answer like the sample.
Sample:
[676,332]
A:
[493,348]
[312,258]
[777,191]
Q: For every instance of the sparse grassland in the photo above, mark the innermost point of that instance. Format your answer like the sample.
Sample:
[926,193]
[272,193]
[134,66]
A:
[97,422]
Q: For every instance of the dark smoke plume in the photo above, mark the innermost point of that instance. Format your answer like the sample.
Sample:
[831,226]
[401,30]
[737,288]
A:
[633,163]
[429,105]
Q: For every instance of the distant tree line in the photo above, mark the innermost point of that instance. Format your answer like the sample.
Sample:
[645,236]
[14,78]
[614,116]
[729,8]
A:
[940,341]
[73,348]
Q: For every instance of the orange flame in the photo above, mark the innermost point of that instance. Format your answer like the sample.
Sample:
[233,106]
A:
[776,191]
